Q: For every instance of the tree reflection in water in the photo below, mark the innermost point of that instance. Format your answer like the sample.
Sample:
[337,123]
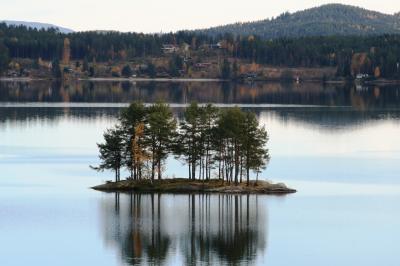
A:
[359,97]
[185,229]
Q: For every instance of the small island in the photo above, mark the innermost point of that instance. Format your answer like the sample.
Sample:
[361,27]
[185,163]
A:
[220,147]
[182,185]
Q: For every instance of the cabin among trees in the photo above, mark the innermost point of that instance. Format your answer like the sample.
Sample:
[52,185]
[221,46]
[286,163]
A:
[213,143]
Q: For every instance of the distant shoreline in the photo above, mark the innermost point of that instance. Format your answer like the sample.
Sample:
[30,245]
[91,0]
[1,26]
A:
[382,82]
[114,79]
[108,79]
[100,79]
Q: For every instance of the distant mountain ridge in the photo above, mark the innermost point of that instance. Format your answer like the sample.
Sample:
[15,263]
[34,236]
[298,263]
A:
[37,25]
[331,19]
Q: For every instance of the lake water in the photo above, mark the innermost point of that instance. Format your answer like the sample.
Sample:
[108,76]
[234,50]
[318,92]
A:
[338,146]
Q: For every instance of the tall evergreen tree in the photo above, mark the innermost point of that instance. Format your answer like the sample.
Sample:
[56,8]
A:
[208,120]
[189,138]
[111,152]
[160,134]
[235,70]
[85,66]
[226,69]
[230,125]
[4,58]
[254,140]
[130,119]
[127,71]
[56,69]
[259,157]
[151,70]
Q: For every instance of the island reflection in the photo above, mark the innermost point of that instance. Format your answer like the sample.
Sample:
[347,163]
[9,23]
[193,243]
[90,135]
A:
[159,229]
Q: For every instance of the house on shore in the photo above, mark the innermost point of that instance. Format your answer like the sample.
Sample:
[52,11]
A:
[169,48]
[362,76]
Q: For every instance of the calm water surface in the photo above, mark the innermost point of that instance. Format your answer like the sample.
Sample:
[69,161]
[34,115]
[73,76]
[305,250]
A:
[339,146]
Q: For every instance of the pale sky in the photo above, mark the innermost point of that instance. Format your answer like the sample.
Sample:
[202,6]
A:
[161,15]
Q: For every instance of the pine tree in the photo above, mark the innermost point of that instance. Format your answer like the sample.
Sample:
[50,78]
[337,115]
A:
[91,71]
[4,58]
[127,71]
[85,66]
[230,127]
[151,70]
[235,70]
[254,140]
[138,150]
[130,119]
[226,69]
[55,69]
[189,138]
[111,152]
[209,117]
[160,133]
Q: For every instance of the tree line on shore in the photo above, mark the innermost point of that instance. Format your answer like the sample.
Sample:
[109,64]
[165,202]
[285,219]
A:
[212,142]
[374,55]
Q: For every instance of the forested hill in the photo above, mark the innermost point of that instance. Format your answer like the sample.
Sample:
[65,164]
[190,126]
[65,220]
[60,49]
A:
[351,55]
[326,20]
[37,25]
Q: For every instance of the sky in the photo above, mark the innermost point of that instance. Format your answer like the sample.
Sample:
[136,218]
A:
[161,15]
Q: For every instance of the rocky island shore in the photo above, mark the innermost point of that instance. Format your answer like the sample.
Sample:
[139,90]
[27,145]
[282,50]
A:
[181,185]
